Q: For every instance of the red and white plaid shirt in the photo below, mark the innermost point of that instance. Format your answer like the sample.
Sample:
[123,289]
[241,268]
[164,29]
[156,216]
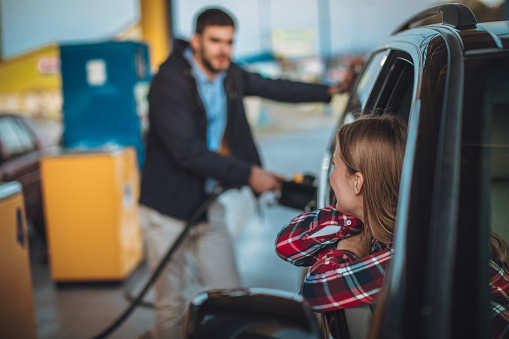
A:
[338,279]
[499,303]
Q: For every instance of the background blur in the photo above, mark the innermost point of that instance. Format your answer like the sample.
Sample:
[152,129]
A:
[304,39]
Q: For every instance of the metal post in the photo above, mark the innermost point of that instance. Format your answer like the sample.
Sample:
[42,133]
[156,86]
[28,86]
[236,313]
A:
[324,32]
[324,27]
[265,23]
[156,25]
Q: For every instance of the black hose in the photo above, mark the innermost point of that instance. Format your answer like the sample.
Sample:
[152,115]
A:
[130,297]
[137,301]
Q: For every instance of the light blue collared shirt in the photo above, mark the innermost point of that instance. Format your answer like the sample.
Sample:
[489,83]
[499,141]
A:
[214,100]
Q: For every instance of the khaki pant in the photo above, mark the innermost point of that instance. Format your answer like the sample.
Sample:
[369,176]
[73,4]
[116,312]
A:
[212,251]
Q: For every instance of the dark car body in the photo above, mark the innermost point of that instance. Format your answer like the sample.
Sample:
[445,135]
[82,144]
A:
[250,313]
[450,81]
[20,153]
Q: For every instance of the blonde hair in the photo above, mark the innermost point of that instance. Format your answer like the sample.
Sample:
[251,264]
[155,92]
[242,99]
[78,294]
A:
[374,145]
[498,248]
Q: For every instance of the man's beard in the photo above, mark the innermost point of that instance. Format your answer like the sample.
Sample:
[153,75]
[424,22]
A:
[208,64]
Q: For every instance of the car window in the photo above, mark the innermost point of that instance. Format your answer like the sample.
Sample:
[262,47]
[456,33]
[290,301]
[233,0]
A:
[361,93]
[485,143]
[394,92]
[15,138]
[387,83]
[484,188]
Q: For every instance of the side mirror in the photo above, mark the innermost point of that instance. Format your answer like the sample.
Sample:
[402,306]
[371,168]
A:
[249,313]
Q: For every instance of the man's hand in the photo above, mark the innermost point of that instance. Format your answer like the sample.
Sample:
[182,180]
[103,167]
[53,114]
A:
[263,181]
[354,68]
[358,244]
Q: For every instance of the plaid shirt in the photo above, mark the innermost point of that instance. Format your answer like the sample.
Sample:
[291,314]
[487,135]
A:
[499,304]
[337,278]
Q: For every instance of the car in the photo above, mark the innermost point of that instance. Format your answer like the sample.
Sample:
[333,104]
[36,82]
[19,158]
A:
[21,148]
[450,82]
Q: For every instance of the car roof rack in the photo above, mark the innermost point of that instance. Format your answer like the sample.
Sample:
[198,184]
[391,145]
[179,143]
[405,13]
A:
[456,15]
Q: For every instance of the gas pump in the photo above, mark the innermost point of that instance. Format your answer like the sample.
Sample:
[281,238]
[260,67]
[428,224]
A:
[104,89]
[91,185]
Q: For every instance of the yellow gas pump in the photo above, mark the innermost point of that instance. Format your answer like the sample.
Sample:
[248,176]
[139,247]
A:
[17,313]
[90,203]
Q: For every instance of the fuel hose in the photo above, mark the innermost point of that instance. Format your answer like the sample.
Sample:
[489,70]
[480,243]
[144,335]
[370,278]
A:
[139,298]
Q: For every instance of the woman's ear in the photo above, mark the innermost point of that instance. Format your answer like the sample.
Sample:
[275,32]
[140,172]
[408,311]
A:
[358,182]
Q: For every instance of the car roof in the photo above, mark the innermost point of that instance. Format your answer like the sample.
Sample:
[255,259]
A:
[498,30]
[459,20]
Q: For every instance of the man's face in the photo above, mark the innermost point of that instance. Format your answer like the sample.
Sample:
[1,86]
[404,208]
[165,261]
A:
[213,47]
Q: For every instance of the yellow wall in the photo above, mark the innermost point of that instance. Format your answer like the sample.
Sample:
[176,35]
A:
[22,73]
[31,83]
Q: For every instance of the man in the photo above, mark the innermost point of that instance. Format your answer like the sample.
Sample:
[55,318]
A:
[199,137]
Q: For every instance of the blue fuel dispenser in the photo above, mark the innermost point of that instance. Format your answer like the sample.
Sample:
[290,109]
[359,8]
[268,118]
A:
[104,89]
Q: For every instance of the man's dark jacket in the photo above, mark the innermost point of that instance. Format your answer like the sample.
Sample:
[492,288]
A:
[177,160]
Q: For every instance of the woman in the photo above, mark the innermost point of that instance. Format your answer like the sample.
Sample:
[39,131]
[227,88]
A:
[349,246]
[365,179]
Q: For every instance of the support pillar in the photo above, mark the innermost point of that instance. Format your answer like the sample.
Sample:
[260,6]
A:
[156,25]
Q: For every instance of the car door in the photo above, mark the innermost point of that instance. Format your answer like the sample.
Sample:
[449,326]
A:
[453,191]
[483,185]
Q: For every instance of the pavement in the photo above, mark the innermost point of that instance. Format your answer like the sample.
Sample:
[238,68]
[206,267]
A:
[291,138]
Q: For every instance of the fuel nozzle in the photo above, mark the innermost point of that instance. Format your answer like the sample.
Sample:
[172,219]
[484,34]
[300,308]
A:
[304,178]
[299,193]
